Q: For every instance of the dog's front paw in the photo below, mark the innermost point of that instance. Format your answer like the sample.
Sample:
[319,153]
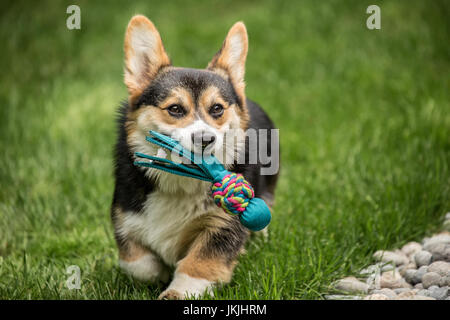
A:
[186,287]
[171,294]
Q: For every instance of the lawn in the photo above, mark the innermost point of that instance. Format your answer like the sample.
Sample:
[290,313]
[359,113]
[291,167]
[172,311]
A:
[364,119]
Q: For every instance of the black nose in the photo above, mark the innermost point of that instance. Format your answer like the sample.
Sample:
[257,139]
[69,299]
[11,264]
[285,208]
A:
[203,138]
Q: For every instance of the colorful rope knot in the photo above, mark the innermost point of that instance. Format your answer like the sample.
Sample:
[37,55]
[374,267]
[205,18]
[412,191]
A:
[232,193]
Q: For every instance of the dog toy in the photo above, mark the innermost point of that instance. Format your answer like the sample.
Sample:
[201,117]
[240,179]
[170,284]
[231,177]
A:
[230,190]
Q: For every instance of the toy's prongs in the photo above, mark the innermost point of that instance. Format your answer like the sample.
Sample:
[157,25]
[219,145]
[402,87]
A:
[176,167]
[211,167]
[169,169]
[172,146]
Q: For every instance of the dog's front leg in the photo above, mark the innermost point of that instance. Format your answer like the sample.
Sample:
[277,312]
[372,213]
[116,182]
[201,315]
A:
[209,261]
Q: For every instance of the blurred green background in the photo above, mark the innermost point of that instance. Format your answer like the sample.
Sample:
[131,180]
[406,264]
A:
[364,120]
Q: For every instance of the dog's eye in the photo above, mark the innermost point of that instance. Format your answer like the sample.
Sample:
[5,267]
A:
[176,111]
[216,110]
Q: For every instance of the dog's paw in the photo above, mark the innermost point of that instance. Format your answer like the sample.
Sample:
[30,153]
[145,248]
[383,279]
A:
[187,287]
[171,294]
[147,268]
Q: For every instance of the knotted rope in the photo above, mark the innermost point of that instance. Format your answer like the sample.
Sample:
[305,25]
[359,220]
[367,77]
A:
[232,193]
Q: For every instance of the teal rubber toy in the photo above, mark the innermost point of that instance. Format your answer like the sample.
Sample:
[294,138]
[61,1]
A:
[230,190]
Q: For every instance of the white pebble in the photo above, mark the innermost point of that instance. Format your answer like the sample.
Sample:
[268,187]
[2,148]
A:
[411,248]
[422,258]
[443,238]
[351,285]
[389,256]
[376,296]
[440,267]
[431,279]
[392,280]
[387,292]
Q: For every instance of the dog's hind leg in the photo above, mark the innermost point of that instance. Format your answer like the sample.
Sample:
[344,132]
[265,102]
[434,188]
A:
[142,264]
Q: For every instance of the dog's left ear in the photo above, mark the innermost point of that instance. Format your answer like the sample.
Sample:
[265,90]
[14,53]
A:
[231,57]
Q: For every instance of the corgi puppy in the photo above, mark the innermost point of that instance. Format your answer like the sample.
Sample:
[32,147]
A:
[167,227]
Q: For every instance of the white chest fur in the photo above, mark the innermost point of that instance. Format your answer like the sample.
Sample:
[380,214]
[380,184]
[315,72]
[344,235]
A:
[164,216]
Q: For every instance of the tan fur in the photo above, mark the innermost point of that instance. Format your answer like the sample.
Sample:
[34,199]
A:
[207,99]
[196,262]
[132,251]
[209,223]
[215,269]
[196,265]
[160,115]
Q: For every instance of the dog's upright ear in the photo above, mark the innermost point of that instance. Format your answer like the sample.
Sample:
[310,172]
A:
[231,57]
[144,55]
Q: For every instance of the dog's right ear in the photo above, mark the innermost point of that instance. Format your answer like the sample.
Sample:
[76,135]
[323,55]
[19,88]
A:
[144,55]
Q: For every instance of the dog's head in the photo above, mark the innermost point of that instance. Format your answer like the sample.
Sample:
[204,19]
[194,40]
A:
[198,107]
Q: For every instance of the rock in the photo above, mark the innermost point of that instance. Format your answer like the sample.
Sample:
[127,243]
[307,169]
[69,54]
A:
[401,290]
[389,256]
[387,292]
[392,280]
[419,297]
[423,292]
[438,293]
[447,225]
[445,281]
[342,297]
[352,285]
[373,268]
[377,267]
[407,295]
[440,267]
[419,274]
[412,295]
[387,267]
[431,279]
[442,238]
[411,248]
[418,286]
[403,269]
[409,276]
[401,253]
[440,251]
[376,296]
[422,258]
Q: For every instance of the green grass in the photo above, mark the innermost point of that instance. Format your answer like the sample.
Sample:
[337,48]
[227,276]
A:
[364,120]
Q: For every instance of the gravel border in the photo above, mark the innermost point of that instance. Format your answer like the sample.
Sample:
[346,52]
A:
[417,271]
